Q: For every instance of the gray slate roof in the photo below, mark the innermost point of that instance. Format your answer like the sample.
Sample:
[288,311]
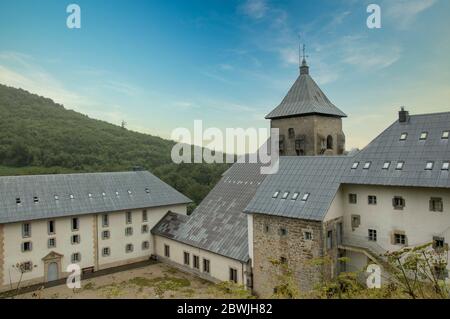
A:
[321,176]
[304,98]
[45,187]
[218,224]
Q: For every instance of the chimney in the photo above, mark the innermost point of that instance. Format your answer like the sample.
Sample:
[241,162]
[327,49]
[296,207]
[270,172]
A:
[403,116]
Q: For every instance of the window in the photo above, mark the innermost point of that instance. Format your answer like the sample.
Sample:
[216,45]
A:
[145,245]
[129,192]
[129,248]
[51,243]
[329,142]
[75,224]
[73,197]
[206,266]
[283,231]
[367,165]
[398,202]
[329,239]
[372,200]
[18,201]
[76,258]
[400,165]
[144,229]
[291,132]
[186,258]
[105,220]
[429,166]
[75,239]
[372,235]
[51,227]
[445,166]
[106,251]
[266,228]
[423,135]
[285,195]
[445,135]
[26,230]
[144,215]
[352,198]
[399,239]
[403,136]
[307,235]
[355,165]
[436,204]
[196,262]
[386,165]
[128,217]
[117,193]
[27,246]
[89,195]
[167,251]
[106,234]
[26,266]
[128,231]
[295,196]
[275,195]
[305,197]
[103,194]
[233,275]
[35,199]
[438,242]
[356,221]
[147,190]
[56,197]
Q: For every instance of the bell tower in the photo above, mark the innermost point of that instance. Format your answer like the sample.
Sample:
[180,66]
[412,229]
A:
[309,123]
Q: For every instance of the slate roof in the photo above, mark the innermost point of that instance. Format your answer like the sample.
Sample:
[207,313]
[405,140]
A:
[45,187]
[218,224]
[305,98]
[321,176]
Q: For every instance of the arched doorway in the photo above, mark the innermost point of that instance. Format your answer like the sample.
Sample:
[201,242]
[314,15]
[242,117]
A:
[52,272]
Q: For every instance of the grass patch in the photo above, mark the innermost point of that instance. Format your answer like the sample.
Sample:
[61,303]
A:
[160,284]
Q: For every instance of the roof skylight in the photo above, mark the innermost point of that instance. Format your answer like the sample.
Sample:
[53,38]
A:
[429,166]
[403,136]
[423,135]
[367,165]
[355,165]
[445,166]
[445,135]
[285,195]
[400,165]
[295,196]
[72,197]
[386,165]
[56,197]
[275,195]
[305,197]
[129,192]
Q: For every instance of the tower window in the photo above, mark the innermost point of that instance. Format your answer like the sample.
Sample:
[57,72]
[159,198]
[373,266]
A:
[329,142]
[291,133]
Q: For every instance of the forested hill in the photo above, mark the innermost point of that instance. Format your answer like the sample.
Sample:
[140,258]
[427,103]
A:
[38,136]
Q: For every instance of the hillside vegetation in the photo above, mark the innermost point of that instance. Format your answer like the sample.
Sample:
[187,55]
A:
[38,136]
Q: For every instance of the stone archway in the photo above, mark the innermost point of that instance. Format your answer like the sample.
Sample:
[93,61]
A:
[52,266]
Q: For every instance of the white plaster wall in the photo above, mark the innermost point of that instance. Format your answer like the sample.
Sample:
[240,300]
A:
[219,265]
[250,236]
[39,237]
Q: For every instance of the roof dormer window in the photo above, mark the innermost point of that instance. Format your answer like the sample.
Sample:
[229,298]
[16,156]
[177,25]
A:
[445,166]
[36,199]
[355,165]
[367,165]
[18,201]
[445,135]
[403,136]
[73,197]
[429,166]
[147,190]
[423,136]
[285,195]
[275,195]
[400,165]
[295,196]
[305,197]
[386,165]
[129,192]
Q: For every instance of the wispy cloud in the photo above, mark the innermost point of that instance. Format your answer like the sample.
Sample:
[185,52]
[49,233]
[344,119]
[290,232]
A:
[255,9]
[403,13]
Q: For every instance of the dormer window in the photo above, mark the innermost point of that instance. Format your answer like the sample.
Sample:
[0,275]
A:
[355,165]
[56,197]
[285,195]
[386,165]
[36,199]
[18,201]
[305,197]
[445,166]
[445,135]
[147,190]
[72,197]
[429,166]
[400,165]
[275,195]
[403,136]
[423,135]
[295,196]
[129,192]
[367,165]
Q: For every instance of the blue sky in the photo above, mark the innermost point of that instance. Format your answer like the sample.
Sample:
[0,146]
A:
[159,65]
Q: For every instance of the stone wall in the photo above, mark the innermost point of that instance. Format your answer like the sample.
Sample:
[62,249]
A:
[2,256]
[270,245]
[310,131]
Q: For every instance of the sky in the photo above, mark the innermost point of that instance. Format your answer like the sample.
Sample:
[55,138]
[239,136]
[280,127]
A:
[160,65]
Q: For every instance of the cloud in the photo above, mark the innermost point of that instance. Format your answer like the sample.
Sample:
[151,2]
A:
[403,13]
[255,9]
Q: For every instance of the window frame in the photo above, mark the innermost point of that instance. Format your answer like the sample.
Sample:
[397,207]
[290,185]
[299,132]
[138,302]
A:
[128,217]
[186,258]
[106,254]
[352,195]
[372,235]
[436,208]
[166,251]
[386,165]
[49,241]
[105,220]
[196,262]
[372,200]
[73,260]
[206,266]
[26,230]
[75,224]
[129,251]
[73,241]
[51,224]
[30,245]
[129,231]
[233,275]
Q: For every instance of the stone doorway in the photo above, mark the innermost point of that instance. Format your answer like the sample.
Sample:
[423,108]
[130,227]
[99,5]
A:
[52,266]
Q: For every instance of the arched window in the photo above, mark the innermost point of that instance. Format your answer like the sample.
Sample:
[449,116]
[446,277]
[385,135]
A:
[329,142]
